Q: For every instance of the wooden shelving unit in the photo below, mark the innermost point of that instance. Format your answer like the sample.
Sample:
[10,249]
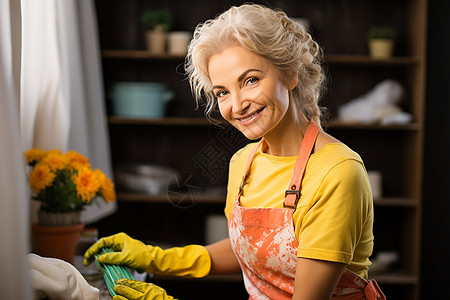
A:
[395,150]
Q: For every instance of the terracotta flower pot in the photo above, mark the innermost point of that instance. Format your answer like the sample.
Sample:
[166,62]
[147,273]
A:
[56,241]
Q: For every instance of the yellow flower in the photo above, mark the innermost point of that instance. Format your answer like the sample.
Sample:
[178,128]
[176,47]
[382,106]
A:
[77,161]
[100,175]
[106,187]
[107,190]
[87,184]
[65,182]
[41,177]
[53,151]
[34,154]
[55,161]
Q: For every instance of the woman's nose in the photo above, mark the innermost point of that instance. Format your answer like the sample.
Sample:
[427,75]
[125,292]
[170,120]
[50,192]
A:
[240,104]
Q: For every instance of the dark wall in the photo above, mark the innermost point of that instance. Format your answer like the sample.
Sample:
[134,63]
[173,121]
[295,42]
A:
[436,205]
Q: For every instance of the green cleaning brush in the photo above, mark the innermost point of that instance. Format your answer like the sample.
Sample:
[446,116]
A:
[112,272]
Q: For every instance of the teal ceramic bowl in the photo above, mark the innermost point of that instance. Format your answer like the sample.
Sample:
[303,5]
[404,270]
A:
[140,99]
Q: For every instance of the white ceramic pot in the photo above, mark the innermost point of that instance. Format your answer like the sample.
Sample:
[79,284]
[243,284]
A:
[178,42]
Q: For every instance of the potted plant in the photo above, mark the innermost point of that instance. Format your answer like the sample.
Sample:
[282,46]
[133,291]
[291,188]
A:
[64,184]
[157,24]
[381,41]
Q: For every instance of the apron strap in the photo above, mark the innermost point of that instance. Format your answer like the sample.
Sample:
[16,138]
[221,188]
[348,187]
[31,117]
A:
[292,194]
[373,292]
[247,167]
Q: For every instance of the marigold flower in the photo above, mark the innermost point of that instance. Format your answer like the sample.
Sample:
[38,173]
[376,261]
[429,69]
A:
[55,161]
[34,154]
[87,184]
[52,151]
[106,187]
[65,182]
[77,161]
[100,175]
[41,177]
[107,190]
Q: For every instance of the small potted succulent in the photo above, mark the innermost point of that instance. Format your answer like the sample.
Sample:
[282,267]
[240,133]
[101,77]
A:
[157,24]
[381,41]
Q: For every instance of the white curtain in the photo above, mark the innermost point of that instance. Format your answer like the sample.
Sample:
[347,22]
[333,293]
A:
[62,101]
[14,199]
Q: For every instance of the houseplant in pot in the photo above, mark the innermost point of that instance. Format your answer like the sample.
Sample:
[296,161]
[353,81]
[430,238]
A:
[381,41]
[64,184]
[157,23]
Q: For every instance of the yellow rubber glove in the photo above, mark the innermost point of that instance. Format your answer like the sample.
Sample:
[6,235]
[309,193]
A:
[192,260]
[128,289]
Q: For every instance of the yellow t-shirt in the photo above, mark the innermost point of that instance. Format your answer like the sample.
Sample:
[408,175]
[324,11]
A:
[334,216]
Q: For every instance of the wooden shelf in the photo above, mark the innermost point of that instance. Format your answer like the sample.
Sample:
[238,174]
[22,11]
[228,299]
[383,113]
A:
[215,199]
[396,202]
[334,59]
[159,121]
[334,124]
[365,60]
[171,198]
[395,278]
[138,54]
[338,124]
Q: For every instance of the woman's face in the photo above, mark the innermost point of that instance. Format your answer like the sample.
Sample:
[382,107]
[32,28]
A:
[249,90]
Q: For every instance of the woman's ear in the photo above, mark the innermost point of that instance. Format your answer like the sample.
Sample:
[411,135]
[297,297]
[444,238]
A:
[292,83]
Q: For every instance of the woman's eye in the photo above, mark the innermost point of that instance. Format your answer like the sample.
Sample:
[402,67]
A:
[220,94]
[252,80]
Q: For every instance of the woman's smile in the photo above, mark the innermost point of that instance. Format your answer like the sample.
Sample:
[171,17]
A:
[251,118]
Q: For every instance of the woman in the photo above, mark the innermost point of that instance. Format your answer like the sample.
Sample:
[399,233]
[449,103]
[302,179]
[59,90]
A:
[299,203]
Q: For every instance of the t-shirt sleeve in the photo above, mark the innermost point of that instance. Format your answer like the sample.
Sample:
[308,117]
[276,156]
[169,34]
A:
[333,222]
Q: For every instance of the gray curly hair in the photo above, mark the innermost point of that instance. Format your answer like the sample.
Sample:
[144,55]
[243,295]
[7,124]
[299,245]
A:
[266,32]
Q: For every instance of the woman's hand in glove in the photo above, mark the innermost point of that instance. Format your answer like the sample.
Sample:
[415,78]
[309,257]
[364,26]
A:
[130,252]
[127,289]
[191,260]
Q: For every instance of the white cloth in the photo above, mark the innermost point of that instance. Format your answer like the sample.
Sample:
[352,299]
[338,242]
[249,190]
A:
[378,105]
[58,280]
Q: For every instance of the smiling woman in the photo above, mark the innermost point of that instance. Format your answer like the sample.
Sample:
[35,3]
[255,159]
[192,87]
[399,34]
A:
[299,204]
[263,72]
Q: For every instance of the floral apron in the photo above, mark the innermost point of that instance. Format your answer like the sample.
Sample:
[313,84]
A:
[265,244]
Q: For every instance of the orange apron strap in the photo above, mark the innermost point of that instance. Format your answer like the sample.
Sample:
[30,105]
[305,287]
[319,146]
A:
[373,292]
[293,192]
[247,167]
